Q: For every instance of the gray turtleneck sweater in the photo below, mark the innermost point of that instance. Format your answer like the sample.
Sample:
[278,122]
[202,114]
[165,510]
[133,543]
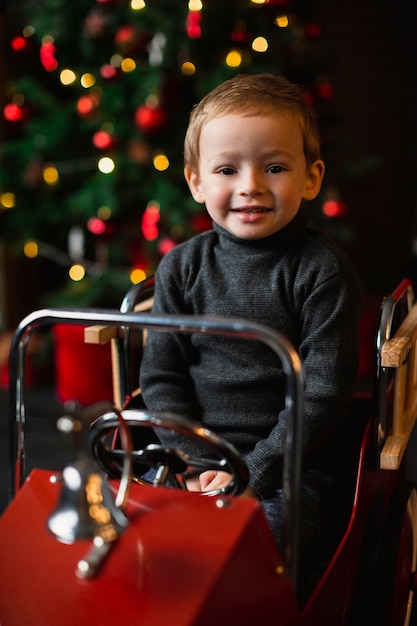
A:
[296,281]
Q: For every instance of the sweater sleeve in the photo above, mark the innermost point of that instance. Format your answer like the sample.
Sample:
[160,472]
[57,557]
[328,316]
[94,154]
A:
[329,349]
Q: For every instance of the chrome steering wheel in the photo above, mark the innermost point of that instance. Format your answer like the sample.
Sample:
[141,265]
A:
[172,467]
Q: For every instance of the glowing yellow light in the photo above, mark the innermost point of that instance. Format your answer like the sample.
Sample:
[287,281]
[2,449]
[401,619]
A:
[51,175]
[195,5]
[106,165]
[260,44]
[259,1]
[104,213]
[128,65]
[160,162]
[87,80]
[234,58]
[282,21]
[67,77]
[137,275]
[8,200]
[76,272]
[188,68]
[31,249]
[137,5]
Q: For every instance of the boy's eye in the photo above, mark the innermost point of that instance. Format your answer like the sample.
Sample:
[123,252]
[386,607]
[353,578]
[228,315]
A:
[275,169]
[226,171]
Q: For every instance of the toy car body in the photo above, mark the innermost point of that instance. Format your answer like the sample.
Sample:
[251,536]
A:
[183,559]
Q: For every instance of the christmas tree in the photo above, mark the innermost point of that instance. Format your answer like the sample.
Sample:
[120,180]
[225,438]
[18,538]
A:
[91,171]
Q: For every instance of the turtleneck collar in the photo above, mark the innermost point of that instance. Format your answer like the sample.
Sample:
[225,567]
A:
[287,236]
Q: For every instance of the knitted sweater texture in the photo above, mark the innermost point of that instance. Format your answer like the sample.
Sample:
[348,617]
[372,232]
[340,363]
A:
[295,281]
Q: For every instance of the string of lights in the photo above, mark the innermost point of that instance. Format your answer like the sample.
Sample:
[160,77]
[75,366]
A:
[96,132]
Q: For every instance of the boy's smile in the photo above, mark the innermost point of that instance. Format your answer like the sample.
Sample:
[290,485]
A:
[252,173]
[250,214]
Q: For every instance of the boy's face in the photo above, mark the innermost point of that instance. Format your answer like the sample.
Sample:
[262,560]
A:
[252,173]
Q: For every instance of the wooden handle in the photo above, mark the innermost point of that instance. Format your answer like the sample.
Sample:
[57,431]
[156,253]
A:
[400,353]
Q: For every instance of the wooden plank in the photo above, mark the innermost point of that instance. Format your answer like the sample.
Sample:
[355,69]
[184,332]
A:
[115,367]
[146,305]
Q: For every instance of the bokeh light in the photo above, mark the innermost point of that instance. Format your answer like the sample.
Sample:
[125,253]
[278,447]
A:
[260,44]
[137,5]
[161,162]
[50,175]
[76,272]
[31,249]
[8,200]
[106,165]
[67,77]
[87,80]
[188,68]
[234,58]
[137,275]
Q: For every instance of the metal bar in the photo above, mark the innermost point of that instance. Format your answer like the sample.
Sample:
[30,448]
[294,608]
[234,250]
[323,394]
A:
[139,291]
[291,364]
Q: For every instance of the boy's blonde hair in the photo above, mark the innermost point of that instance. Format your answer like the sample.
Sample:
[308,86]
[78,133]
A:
[251,95]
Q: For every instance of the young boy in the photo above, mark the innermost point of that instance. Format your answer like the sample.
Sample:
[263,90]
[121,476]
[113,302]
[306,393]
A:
[252,156]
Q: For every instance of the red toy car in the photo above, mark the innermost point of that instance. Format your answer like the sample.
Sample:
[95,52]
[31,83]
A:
[81,548]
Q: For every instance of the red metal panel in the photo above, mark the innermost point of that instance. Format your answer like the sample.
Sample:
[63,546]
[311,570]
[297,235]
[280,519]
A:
[184,560]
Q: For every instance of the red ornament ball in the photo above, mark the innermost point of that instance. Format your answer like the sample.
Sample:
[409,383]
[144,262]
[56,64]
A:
[150,119]
[15,113]
[130,40]
[125,35]
[108,72]
[165,246]
[103,140]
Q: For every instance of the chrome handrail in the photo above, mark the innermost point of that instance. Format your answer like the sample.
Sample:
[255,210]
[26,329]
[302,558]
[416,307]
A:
[291,365]
[134,295]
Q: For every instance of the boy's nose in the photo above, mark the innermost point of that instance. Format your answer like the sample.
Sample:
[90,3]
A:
[251,184]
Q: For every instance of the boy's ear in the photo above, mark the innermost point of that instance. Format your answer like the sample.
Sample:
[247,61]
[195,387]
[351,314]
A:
[314,180]
[194,183]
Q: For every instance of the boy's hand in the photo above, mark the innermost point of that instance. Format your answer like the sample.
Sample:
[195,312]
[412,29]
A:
[208,481]
[212,479]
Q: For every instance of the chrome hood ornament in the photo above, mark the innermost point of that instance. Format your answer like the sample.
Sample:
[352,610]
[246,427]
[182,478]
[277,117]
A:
[86,507]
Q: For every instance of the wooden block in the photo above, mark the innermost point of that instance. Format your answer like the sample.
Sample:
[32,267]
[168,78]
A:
[393,452]
[100,334]
[394,351]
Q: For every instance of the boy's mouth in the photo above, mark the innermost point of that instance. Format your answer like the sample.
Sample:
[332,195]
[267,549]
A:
[251,210]
[250,214]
